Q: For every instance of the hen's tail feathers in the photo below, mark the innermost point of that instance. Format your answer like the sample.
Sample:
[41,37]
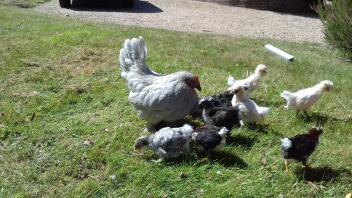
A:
[133,56]
[286,144]
[223,131]
[231,80]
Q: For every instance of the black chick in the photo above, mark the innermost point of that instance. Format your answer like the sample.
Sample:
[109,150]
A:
[301,146]
[222,116]
[220,100]
[210,137]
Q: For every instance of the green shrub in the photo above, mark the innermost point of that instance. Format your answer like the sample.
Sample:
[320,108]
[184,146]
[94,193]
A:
[337,20]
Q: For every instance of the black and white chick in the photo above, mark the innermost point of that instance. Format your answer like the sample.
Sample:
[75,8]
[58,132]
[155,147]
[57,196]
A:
[210,137]
[301,146]
[226,116]
[220,100]
[168,143]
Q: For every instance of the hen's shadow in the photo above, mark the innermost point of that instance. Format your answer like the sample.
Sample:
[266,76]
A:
[241,140]
[321,174]
[227,159]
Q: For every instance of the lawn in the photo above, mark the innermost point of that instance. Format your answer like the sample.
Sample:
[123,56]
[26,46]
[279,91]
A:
[68,130]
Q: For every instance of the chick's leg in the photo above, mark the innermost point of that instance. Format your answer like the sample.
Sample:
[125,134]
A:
[162,155]
[306,114]
[305,165]
[158,160]
[286,165]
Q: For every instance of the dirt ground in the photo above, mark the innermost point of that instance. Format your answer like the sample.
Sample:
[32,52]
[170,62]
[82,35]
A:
[195,16]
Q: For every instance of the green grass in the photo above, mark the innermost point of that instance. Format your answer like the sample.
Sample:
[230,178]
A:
[22,3]
[60,86]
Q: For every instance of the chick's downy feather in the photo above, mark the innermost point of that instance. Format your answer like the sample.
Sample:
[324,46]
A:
[156,97]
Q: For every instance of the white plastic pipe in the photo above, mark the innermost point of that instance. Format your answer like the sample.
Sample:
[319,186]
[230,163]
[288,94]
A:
[279,52]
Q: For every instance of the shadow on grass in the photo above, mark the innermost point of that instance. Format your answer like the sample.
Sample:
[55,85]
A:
[321,174]
[225,158]
[315,118]
[260,128]
[242,141]
[114,6]
[269,103]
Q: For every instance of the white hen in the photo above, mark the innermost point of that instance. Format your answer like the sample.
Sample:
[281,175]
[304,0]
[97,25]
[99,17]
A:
[303,99]
[168,142]
[156,97]
[249,110]
[252,81]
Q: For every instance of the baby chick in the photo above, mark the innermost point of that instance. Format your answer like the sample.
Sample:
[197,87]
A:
[303,99]
[221,116]
[301,146]
[251,81]
[249,110]
[168,142]
[210,137]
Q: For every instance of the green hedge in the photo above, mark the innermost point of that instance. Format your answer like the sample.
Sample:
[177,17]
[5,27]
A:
[337,20]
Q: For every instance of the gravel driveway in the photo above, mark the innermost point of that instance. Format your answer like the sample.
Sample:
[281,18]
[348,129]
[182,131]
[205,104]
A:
[195,16]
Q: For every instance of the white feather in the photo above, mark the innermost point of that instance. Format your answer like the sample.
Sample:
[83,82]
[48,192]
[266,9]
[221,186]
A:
[223,131]
[303,99]
[231,80]
[251,81]
[286,143]
[249,110]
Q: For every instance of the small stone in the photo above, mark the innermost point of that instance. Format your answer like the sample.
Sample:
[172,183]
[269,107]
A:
[218,172]
[264,161]
[183,175]
[88,142]
[112,177]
